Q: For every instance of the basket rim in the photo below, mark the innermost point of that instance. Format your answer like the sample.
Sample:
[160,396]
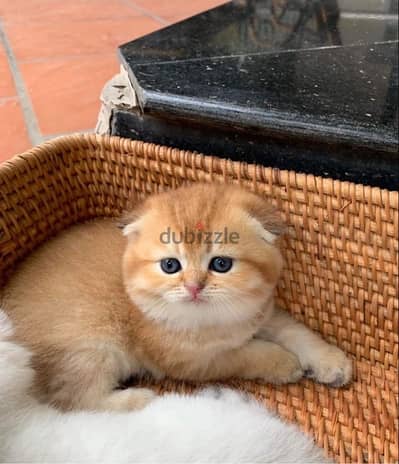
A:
[309,182]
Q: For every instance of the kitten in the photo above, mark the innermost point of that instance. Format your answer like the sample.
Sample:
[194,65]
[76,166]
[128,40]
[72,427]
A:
[227,426]
[101,310]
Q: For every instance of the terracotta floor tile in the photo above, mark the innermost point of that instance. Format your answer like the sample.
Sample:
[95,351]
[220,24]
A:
[66,51]
[38,40]
[176,10]
[13,135]
[65,92]
[71,10]
[7,88]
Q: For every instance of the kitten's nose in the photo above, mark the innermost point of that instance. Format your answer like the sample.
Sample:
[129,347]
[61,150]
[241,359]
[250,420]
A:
[194,289]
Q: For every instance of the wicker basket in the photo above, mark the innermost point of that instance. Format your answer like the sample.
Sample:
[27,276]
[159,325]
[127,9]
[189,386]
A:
[340,278]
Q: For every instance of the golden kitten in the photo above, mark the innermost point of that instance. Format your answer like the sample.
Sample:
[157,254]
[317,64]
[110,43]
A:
[190,296]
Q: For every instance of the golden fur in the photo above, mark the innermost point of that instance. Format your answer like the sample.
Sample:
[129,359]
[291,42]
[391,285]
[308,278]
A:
[96,308]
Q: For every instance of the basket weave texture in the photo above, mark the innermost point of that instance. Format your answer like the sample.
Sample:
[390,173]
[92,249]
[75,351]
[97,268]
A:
[340,277]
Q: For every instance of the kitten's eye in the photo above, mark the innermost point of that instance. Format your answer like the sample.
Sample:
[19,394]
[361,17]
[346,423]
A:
[170,265]
[221,264]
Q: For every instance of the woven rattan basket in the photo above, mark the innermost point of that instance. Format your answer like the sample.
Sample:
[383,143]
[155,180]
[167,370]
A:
[340,277]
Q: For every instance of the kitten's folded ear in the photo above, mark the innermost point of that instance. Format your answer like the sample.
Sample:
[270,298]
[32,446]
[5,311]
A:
[266,219]
[130,221]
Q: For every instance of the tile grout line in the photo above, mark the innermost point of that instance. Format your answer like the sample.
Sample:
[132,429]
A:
[25,101]
[145,12]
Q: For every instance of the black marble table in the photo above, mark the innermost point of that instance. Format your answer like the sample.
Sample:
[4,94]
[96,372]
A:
[308,85]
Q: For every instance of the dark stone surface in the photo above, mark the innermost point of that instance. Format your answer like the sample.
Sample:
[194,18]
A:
[348,163]
[310,85]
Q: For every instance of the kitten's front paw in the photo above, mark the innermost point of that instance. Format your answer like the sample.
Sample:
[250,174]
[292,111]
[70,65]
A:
[274,364]
[130,399]
[271,363]
[288,370]
[331,366]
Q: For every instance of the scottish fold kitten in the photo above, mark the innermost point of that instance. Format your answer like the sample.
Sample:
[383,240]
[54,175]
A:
[211,426]
[187,293]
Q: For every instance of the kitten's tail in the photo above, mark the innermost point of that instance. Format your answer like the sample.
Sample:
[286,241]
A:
[6,328]
[16,374]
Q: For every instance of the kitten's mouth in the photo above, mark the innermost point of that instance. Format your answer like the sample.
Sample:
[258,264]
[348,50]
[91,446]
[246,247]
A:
[196,300]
